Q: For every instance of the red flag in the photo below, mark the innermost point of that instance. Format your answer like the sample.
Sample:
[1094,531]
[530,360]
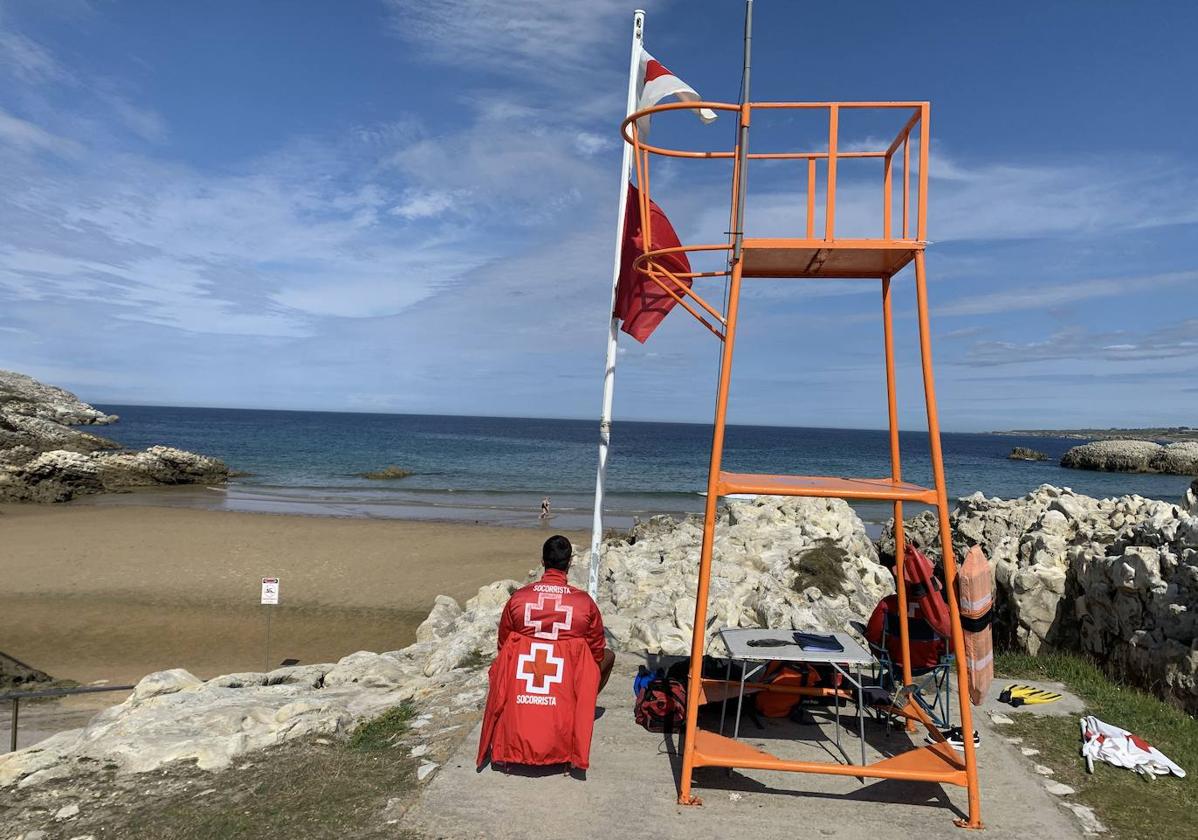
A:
[641,304]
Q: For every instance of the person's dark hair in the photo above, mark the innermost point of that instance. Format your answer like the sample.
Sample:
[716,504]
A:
[556,553]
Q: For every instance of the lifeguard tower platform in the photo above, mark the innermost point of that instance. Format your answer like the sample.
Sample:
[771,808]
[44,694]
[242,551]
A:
[816,252]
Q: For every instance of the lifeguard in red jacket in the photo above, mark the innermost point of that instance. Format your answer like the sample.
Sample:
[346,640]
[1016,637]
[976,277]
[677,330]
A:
[553,661]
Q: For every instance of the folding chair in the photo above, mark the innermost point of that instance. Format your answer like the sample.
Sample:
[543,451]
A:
[937,679]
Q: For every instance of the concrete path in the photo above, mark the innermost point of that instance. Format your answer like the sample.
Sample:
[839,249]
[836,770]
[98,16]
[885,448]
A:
[630,791]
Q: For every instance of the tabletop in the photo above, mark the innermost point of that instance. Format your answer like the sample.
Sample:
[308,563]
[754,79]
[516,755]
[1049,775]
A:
[736,641]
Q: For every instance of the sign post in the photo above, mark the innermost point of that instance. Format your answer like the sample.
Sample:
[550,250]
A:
[270,597]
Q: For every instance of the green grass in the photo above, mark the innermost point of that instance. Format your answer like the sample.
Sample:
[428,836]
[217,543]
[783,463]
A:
[382,732]
[1132,807]
[311,789]
[821,566]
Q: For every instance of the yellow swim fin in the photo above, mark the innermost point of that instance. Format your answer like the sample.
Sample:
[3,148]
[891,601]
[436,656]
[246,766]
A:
[1017,695]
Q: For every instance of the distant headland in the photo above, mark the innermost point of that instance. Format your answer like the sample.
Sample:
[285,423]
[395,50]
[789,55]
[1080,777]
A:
[1167,433]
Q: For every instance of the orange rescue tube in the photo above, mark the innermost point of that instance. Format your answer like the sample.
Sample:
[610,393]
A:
[975,594]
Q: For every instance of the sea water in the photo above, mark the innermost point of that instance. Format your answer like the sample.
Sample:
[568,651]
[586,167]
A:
[496,469]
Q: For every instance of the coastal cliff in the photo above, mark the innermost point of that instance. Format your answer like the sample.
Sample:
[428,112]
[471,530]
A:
[44,458]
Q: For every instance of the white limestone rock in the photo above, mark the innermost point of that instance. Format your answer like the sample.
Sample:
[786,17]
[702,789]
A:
[444,613]
[67,812]
[1116,578]
[771,558]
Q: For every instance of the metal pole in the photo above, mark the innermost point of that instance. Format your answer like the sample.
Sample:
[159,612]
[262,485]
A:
[16,711]
[266,654]
[742,146]
[609,370]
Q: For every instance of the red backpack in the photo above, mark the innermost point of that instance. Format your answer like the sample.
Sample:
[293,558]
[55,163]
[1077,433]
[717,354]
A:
[661,704]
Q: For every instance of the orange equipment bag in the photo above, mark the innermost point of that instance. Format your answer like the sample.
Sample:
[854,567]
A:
[776,704]
[975,593]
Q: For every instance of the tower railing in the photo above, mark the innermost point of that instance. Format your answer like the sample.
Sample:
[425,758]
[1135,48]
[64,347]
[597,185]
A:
[815,250]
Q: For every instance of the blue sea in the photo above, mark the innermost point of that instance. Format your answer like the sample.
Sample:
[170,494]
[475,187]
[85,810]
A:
[496,470]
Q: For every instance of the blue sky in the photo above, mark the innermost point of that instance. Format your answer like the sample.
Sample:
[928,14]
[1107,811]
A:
[402,206]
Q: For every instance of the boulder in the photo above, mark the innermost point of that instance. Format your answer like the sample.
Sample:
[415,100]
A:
[1023,453]
[1142,456]
[445,611]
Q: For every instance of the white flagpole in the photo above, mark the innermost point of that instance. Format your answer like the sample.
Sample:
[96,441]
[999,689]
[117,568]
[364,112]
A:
[609,371]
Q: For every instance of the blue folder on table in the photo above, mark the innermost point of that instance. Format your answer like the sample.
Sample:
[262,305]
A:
[818,642]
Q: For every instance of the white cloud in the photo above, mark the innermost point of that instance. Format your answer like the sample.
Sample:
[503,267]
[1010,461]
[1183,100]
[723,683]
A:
[589,143]
[26,59]
[536,40]
[1045,296]
[266,253]
[424,204]
[977,202]
[1175,340]
[26,136]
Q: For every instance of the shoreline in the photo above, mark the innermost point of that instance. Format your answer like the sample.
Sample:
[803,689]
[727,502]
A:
[114,592]
[335,503]
[338,503]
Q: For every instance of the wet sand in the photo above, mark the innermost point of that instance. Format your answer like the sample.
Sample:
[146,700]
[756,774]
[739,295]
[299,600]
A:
[112,593]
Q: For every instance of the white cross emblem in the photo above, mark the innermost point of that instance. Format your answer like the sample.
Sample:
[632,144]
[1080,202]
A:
[550,602]
[533,668]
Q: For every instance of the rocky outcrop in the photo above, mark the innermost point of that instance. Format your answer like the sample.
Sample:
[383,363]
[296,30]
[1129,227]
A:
[60,475]
[1115,578]
[44,459]
[390,473]
[1141,456]
[1023,453]
[24,395]
[174,716]
[1190,501]
[779,562]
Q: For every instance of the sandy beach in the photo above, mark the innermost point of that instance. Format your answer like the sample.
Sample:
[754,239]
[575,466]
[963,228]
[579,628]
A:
[112,593]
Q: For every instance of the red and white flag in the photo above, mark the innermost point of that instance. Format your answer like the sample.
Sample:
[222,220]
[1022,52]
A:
[655,83]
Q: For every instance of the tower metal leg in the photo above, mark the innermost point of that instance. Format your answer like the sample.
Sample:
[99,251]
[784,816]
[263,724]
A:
[709,518]
[896,472]
[946,542]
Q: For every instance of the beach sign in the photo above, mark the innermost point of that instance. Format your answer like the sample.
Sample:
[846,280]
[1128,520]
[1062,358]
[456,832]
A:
[270,590]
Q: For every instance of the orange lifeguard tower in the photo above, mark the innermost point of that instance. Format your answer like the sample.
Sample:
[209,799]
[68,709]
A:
[818,254]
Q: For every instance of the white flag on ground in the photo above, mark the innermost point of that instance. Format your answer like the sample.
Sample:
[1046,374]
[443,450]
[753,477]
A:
[655,82]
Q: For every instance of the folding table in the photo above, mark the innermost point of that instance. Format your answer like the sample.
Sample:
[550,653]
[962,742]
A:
[852,657]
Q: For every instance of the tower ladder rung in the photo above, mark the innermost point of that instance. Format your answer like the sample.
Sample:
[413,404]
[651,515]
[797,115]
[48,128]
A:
[823,486]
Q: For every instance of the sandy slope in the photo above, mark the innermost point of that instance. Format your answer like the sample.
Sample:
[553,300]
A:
[115,592]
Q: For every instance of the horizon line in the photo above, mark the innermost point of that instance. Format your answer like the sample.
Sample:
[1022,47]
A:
[918,430]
